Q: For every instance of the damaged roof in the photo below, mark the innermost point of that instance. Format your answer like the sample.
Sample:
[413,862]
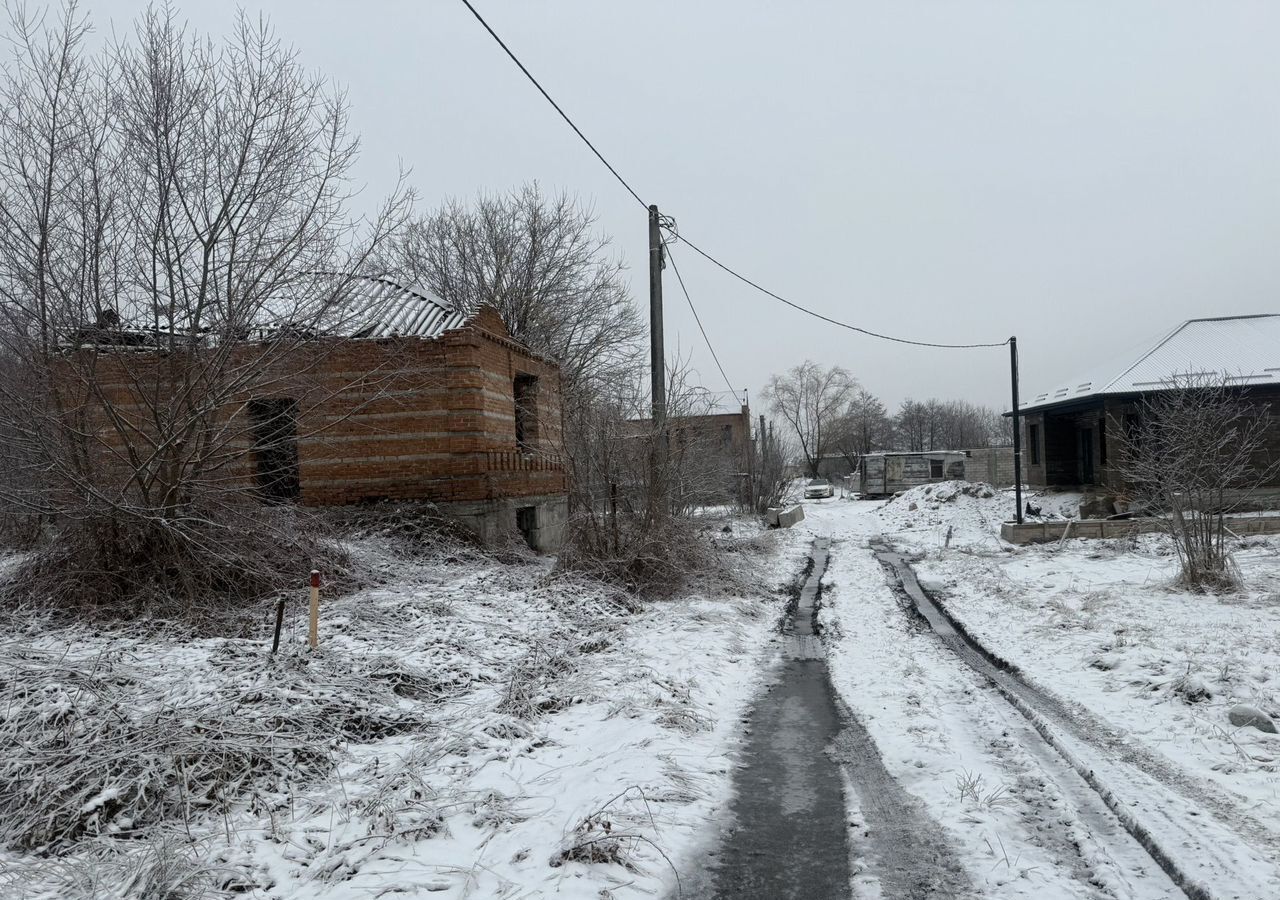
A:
[380,307]
[1244,349]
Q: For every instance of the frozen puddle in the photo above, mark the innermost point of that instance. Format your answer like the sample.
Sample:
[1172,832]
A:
[789,832]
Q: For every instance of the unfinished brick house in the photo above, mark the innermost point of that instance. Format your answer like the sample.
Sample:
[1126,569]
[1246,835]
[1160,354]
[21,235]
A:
[408,400]
[1069,433]
[713,450]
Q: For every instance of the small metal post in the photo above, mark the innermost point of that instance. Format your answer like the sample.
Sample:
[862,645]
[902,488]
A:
[275,640]
[313,634]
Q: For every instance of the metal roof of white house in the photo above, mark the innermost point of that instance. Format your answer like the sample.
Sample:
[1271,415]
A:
[1243,349]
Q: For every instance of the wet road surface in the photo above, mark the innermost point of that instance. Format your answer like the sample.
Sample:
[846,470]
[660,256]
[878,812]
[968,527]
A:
[789,832]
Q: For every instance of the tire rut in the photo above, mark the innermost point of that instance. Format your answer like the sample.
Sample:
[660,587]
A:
[1041,708]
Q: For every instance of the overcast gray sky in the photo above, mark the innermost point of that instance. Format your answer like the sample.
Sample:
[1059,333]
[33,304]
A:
[1081,174]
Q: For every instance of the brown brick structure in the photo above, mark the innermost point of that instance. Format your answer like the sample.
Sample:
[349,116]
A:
[393,418]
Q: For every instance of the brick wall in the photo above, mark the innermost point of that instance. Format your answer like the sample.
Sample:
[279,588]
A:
[394,418]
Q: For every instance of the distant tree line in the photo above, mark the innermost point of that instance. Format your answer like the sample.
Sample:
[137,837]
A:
[831,414]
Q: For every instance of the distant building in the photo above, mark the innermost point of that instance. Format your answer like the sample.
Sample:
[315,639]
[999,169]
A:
[883,474]
[716,447]
[1069,433]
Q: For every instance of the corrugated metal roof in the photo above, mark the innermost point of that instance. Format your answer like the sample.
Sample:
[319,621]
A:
[380,307]
[1245,349]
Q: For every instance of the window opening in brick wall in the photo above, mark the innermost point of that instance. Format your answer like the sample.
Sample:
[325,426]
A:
[275,448]
[1102,440]
[935,468]
[1033,438]
[525,389]
[527,523]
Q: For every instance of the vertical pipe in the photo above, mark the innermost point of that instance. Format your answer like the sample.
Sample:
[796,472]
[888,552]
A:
[1017,430]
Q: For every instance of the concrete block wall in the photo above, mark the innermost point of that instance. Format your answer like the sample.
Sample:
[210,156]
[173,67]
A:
[994,465]
[1045,532]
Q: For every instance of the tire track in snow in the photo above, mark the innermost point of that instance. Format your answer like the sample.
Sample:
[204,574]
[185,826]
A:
[895,672]
[1206,847]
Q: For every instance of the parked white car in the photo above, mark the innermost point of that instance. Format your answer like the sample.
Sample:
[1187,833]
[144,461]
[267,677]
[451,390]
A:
[818,487]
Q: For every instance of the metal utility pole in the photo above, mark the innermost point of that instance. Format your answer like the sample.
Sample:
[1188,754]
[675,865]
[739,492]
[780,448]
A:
[1017,430]
[657,364]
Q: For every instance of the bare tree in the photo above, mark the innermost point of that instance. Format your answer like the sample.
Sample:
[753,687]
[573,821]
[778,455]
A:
[538,260]
[811,400]
[948,425]
[169,209]
[1190,454]
[865,426]
[771,470]
[632,509]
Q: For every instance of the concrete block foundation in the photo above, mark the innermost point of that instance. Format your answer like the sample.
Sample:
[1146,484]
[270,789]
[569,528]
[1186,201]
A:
[539,520]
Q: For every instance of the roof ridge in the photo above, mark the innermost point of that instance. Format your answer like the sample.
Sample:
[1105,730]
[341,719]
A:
[1137,362]
[1233,318]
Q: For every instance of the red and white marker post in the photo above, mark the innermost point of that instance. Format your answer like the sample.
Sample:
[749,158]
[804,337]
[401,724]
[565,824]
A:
[313,634]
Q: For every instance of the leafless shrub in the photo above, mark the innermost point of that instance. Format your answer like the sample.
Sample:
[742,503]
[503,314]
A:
[1191,454]
[639,488]
[411,528]
[214,574]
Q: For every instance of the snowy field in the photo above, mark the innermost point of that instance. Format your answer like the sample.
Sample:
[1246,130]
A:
[1152,670]
[469,728]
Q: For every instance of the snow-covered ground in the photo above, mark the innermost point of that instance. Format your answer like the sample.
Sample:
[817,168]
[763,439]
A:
[1094,623]
[524,735]
[502,731]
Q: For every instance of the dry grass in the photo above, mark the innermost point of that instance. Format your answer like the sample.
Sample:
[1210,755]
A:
[102,745]
[107,870]
[612,834]
[214,574]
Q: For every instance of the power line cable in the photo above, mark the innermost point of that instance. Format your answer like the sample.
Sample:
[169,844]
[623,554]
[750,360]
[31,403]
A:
[817,315]
[690,244]
[696,317]
[563,114]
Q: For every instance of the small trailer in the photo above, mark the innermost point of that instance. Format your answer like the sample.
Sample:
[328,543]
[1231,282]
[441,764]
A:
[885,474]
